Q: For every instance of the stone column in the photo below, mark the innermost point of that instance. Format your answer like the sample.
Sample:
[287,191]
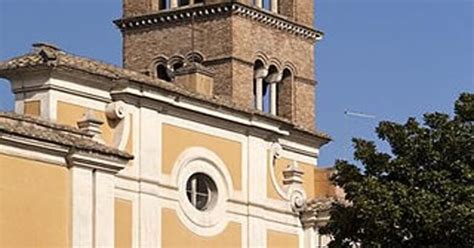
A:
[274,6]
[258,97]
[259,3]
[82,207]
[273,79]
[310,237]
[92,193]
[273,98]
[174,3]
[259,75]
[104,210]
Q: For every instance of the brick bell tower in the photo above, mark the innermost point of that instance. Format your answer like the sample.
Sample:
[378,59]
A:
[261,52]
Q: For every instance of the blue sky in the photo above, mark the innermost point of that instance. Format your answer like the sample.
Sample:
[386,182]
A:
[388,58]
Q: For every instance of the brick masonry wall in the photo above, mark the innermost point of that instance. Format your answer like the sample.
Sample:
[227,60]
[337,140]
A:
[212,39]
[285,106]
[136,7]
[251,38]
[304,104]
[304,12]
[287,8]
[230,45]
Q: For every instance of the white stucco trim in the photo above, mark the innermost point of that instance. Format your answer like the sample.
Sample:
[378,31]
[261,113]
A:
[33,150]
[104,211]
[213,131]
[271,167]
[192,106]
[82,190]
[201,160]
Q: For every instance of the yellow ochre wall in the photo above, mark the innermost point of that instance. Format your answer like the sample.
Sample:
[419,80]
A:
[176,140]
[322,183]
[123,223]
[70,114]
[34,204]
[32,108]
[175,234]
[277,239]
[280,165]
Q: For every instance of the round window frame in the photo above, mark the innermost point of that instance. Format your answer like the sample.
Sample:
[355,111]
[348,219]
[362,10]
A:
[201,160]
[211,195]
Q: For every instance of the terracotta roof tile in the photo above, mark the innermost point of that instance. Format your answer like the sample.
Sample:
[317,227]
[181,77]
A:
[36,128]
[45,55]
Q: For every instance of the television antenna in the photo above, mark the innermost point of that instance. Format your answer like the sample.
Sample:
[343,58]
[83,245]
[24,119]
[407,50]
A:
[356,114]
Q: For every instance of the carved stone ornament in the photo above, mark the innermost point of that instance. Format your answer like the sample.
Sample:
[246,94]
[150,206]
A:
[293,181]
[297,200]
[260,73]
[316,212]
[116,110]
[276,150]
[274,77]
[91,125]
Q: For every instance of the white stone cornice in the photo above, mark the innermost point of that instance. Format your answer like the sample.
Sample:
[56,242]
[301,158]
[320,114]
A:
[264,17]
[89,160]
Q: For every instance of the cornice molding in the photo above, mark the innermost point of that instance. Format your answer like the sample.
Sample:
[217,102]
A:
[202,11]
[63,154]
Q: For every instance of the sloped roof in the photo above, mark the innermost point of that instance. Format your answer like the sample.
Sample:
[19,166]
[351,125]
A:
[49,56]
[39,129]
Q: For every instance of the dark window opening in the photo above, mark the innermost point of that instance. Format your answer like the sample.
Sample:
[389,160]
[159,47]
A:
[163,4]
[266,97]
[183,2]
[163,73]
[177,65]
[201,191]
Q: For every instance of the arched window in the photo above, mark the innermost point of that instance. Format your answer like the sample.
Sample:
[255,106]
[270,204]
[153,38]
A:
[162,72]
[177,65]
[271,81]
[260,72]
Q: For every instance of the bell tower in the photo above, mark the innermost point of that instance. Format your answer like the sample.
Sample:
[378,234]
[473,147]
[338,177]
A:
[261,52]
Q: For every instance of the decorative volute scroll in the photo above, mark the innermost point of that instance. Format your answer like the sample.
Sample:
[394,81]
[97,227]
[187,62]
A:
[293,185]
[115,110]
[276,150]
[91,125]
[117,114]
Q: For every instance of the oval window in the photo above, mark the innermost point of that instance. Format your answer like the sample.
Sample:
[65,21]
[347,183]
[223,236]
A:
[201,191]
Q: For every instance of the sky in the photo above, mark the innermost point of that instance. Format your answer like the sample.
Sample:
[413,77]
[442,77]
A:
[389,59]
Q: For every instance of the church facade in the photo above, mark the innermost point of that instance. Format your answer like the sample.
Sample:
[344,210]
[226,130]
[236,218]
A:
[205,138]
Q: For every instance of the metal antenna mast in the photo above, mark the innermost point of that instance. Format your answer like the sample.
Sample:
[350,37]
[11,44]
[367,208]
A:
[347,113]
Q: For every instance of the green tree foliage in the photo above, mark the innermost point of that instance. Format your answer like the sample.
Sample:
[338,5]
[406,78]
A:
[421,195]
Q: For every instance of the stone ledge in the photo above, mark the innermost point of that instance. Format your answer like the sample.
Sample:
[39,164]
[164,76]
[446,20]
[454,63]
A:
[179,14]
